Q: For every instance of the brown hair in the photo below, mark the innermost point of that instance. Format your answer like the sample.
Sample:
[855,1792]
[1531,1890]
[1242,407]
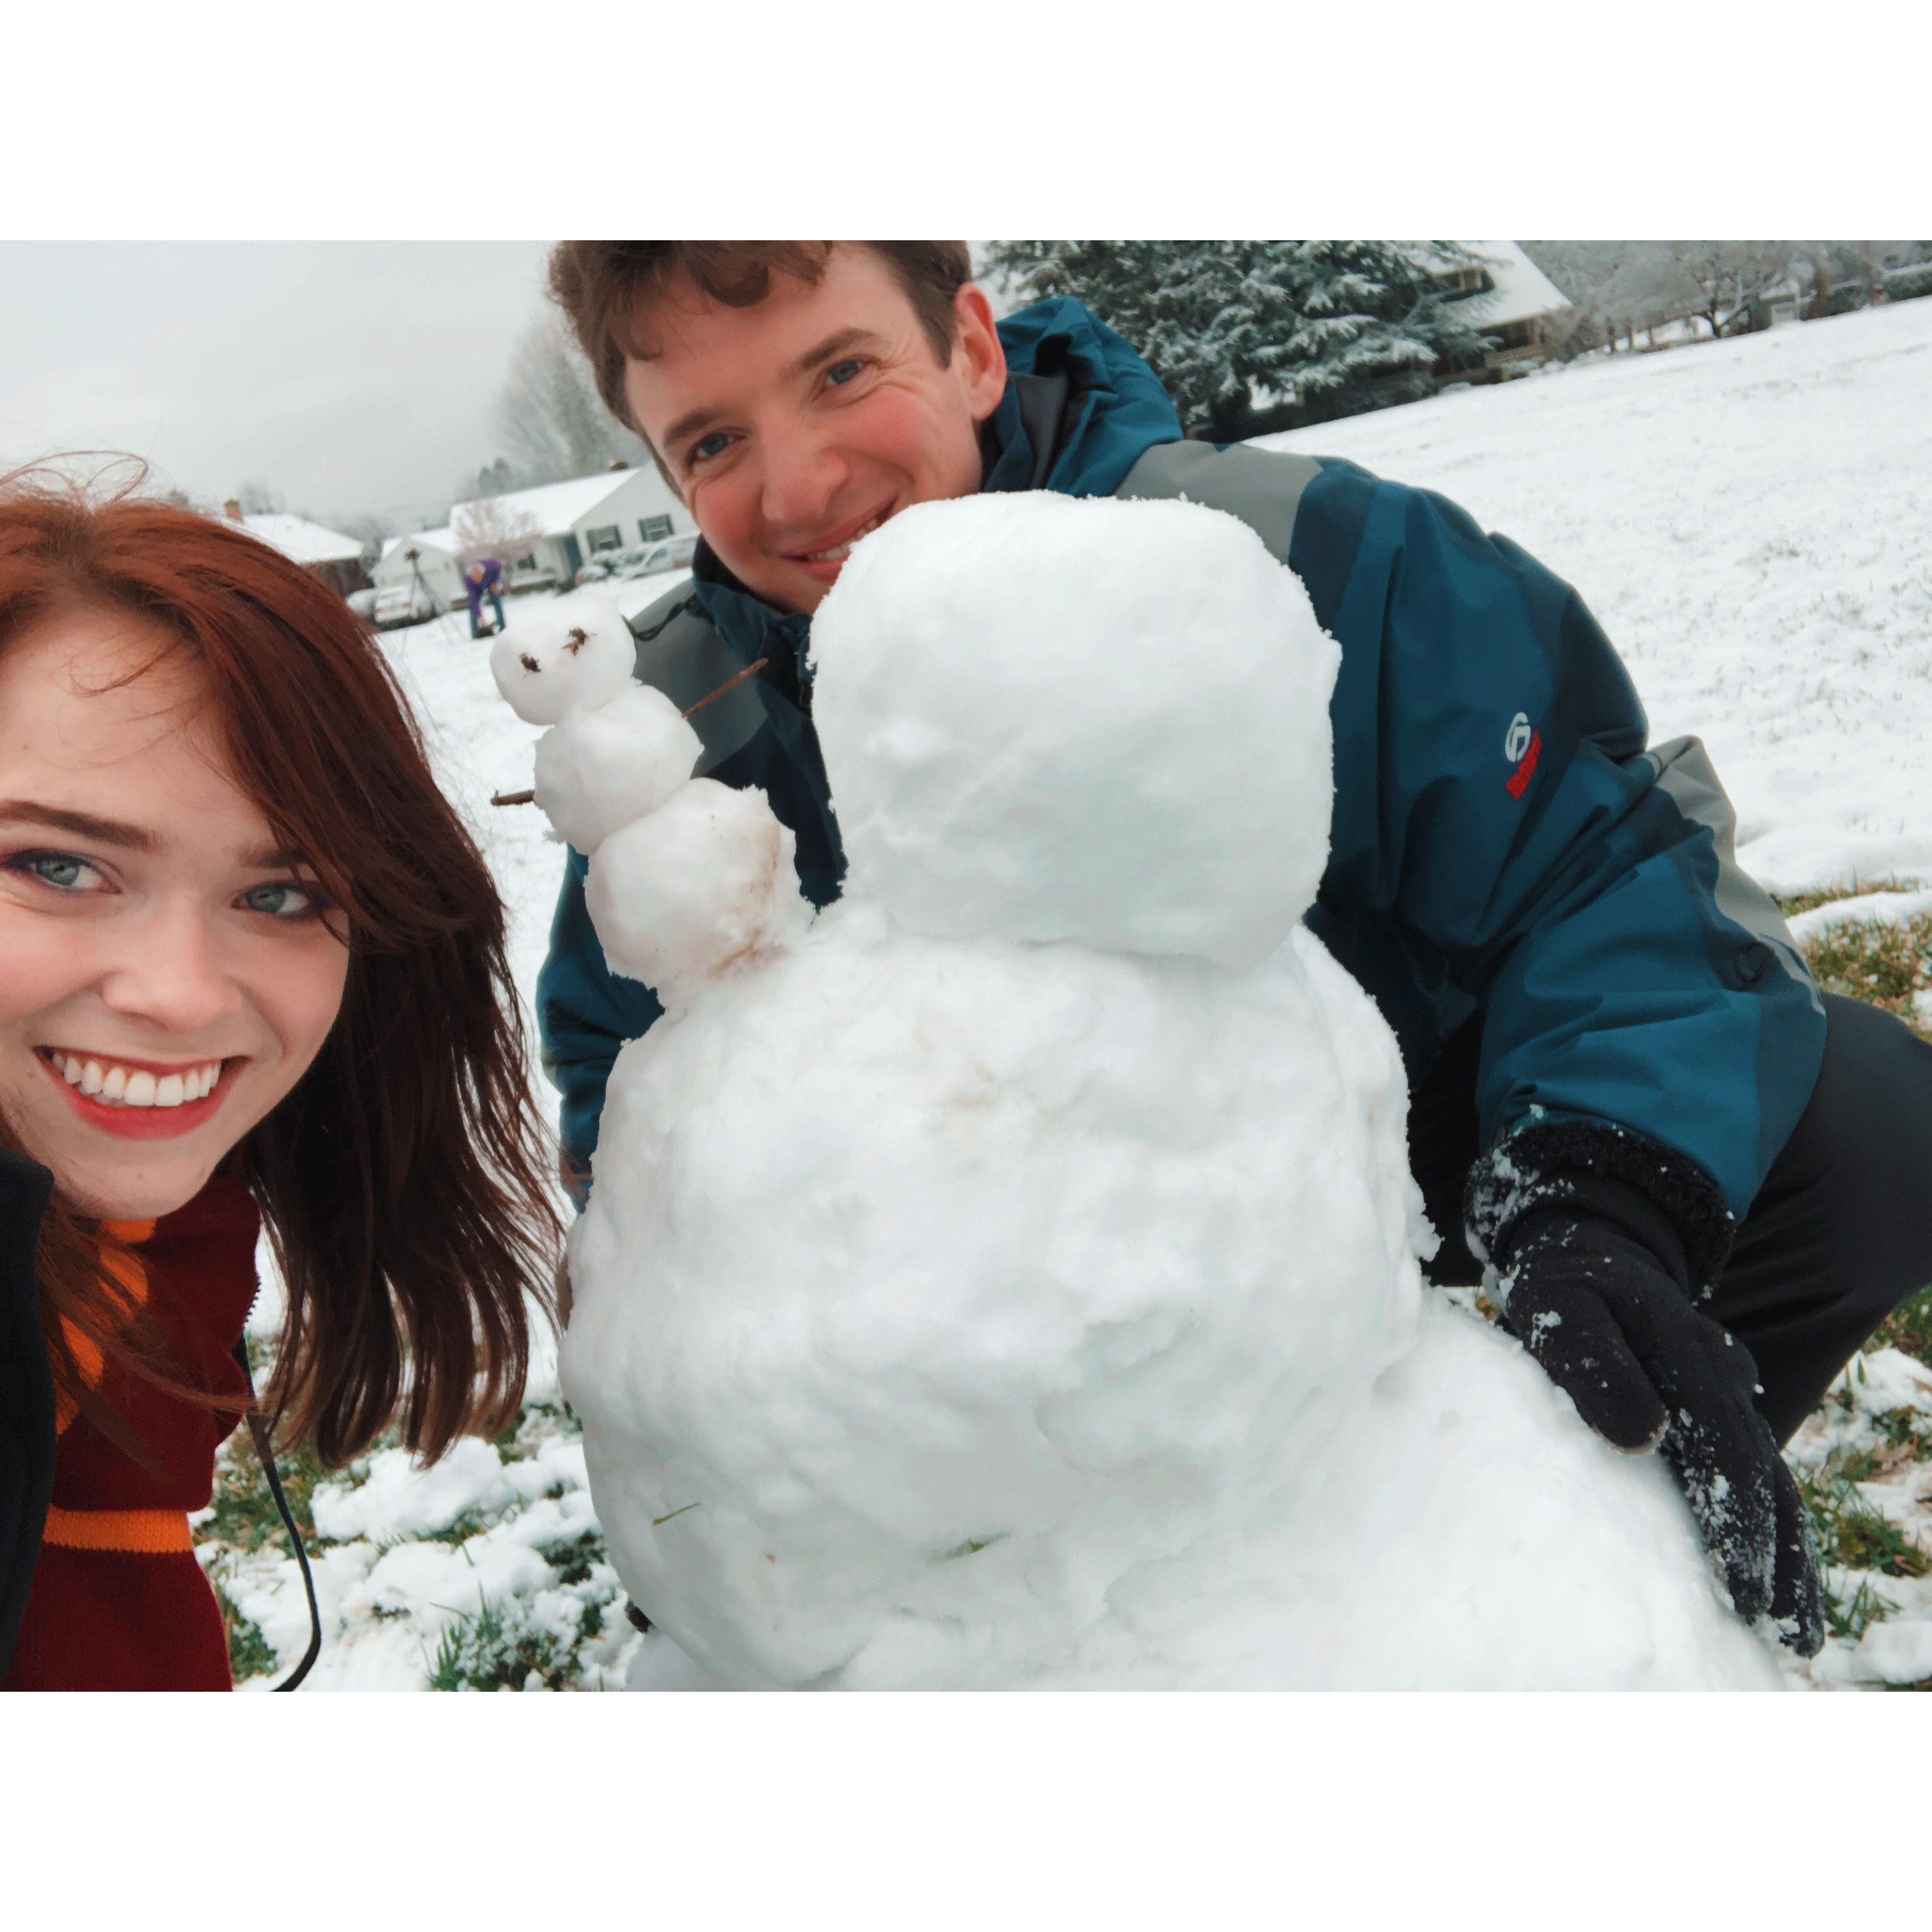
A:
[403,1181]
[608,288]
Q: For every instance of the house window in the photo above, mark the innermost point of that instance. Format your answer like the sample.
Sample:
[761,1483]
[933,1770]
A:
[651,529]
[606,536]
[528,562]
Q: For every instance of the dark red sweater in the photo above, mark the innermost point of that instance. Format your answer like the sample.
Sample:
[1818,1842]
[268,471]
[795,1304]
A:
[119,1602]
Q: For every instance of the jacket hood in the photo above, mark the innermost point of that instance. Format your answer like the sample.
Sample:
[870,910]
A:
[1081,408]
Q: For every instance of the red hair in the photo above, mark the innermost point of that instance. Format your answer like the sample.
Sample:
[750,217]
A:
[403,1181]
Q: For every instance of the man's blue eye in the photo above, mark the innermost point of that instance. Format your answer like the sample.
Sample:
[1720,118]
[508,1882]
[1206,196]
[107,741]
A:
[712,445]
[850,368]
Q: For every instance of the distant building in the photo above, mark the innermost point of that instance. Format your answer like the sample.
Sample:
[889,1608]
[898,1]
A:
[430,555]
[331,555]
[1506,296]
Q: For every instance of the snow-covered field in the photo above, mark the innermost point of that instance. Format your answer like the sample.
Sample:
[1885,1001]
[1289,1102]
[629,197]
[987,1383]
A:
[1751,522]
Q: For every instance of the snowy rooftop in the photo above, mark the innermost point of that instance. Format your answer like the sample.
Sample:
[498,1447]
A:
[1522,288]
[302,541]
[444,539]
[556,506]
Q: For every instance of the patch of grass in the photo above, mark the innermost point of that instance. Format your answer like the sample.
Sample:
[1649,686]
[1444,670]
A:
[487,1651]
[460,1529]
[1850,1617]
[244,1513]
[1886,966]
[250,1653]
[572,1561]
[1851,1533]
[1908,1327]
[1792,904]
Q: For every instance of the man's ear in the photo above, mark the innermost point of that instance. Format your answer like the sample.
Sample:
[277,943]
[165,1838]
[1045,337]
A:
[977,347]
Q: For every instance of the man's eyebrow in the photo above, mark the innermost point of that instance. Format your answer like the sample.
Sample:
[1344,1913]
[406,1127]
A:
[82,824]
[834,345]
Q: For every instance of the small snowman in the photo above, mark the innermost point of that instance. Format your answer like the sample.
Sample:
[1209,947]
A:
[687,876]
[1009,1277]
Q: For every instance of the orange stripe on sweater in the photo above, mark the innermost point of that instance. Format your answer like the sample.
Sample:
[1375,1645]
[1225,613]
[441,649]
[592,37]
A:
[138,1532]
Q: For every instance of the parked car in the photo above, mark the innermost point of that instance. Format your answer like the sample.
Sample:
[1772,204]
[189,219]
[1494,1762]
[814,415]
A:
[640,560]
[408,603]
[673,554]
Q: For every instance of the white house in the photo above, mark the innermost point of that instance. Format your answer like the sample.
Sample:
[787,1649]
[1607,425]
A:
[543,536]
[433,553]
[331,555]
[571,522]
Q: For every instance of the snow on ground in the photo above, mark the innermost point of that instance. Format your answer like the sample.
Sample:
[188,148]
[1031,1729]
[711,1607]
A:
[1751,522]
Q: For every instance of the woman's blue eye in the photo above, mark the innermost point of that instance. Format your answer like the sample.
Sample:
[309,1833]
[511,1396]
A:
[64,871]
[851,367]
[283,900]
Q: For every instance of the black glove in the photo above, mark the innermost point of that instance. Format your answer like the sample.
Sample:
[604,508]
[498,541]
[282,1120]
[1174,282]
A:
[1596,1286]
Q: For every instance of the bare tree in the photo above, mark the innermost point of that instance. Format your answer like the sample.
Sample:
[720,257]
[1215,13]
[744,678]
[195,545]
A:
[553,423]
[371,530]
[493,526]
[1621,287]
[258,499]
[1714,280]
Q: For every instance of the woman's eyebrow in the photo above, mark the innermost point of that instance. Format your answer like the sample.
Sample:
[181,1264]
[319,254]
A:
[82,824]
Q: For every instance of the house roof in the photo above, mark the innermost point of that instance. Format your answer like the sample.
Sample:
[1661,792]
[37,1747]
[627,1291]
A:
[556,507]
[444,539]
[302,541]
[1522,288]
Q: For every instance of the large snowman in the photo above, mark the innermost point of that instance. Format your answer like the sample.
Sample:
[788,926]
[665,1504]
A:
[1009,1277]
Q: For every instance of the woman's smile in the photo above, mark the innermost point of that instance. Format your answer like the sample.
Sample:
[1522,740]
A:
[141,1100]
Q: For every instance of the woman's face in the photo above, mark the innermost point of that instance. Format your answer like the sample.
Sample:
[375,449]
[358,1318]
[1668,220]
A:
[168,975]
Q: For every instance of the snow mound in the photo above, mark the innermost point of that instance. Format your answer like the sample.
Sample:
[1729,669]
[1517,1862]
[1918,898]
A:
[1089,751]
[956,1315]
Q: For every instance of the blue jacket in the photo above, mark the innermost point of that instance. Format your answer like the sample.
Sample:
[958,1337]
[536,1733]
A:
[1504,841]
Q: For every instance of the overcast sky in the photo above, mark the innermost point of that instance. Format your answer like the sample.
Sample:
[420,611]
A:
[349,375]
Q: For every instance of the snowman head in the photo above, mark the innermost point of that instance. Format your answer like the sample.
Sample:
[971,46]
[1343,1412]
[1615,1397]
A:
[1104,720]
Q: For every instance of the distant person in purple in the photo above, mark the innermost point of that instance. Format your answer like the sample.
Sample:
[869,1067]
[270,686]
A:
[483,576]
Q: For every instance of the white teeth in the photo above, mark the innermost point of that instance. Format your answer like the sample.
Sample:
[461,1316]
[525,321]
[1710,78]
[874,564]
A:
[134,1086]
[843,551]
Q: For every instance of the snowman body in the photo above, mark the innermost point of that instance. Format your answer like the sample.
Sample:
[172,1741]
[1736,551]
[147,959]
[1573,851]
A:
[1009,1277]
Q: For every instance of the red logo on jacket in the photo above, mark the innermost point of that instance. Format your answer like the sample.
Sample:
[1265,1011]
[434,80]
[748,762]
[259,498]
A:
[1526,770]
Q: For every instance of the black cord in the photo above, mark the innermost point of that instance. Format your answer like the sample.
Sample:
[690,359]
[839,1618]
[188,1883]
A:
[258,1433]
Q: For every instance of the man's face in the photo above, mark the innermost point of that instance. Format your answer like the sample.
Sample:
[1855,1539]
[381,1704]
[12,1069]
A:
[794,426]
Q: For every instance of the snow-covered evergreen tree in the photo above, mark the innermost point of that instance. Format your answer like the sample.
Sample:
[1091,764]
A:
[1253,335]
